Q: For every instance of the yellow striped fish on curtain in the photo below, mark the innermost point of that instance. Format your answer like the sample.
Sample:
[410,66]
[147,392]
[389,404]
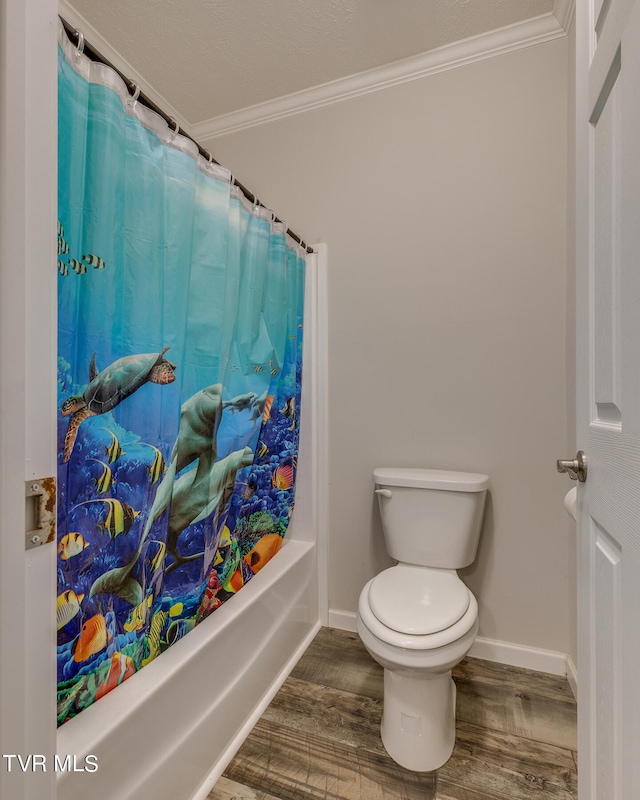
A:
[179,370]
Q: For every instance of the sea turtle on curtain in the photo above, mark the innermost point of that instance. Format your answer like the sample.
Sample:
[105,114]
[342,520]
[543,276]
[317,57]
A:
[111,386]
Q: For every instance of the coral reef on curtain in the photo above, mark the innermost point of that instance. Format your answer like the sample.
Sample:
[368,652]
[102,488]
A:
[179,378]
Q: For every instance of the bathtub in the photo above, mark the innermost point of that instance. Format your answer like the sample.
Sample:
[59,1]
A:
[169,731]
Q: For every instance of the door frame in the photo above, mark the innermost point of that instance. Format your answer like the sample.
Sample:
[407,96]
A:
[28,325]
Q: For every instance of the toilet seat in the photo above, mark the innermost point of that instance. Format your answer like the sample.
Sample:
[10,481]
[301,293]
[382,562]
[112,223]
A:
[418,600]
[409,641]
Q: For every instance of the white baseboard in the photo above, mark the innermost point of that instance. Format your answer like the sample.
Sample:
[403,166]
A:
[344,620]
[572,676]
[516,655]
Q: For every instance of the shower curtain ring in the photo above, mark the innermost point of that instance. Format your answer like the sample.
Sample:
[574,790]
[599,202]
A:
[174,132]
[133,98]
[80,45]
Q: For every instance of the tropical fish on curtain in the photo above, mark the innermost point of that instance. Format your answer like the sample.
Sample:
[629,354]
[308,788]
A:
[179,374]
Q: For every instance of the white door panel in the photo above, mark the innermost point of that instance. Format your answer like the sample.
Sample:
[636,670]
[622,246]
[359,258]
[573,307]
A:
[608,382]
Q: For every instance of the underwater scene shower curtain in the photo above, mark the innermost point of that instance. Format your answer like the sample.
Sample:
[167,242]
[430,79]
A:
[179,369]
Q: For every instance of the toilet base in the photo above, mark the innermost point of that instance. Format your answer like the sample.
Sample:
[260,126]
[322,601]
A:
[418,720]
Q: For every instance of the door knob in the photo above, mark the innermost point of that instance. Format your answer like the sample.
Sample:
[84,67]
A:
[576,469]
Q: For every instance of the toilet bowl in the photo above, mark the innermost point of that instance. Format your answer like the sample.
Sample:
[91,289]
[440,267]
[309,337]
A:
[418,619]
[418,721]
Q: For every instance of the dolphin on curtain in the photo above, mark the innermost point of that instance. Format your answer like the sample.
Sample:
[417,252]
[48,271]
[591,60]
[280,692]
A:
[193,496]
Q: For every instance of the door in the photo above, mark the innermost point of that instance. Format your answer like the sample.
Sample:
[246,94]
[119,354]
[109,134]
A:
[608,289]
[28,158]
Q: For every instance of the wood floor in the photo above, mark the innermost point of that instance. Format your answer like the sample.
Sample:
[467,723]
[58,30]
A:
[320,737]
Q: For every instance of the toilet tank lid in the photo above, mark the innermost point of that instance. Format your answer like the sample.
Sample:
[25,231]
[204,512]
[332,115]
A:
[431,479]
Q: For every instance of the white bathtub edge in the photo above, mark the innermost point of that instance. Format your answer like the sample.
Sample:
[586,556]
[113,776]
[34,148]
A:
[185,737]
[81,736]
[236,743]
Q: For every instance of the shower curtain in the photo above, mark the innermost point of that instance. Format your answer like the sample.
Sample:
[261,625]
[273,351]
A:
[179,369]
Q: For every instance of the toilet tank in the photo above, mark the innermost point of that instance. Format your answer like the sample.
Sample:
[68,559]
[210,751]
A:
[431,518]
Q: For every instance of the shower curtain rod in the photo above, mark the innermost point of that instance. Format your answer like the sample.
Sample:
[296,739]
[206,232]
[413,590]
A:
[95,55]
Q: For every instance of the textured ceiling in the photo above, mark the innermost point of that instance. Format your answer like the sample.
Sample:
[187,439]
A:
[210,57]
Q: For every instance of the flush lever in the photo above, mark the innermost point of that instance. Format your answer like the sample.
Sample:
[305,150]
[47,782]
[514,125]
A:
[576,469]
[384,492]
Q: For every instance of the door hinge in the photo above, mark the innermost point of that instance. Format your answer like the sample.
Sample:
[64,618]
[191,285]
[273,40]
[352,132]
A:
[40,512]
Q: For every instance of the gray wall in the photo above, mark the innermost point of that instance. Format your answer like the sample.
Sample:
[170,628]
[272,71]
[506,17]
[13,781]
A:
[443,202]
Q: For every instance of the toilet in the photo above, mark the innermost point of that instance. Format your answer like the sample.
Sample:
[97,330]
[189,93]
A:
[418,619]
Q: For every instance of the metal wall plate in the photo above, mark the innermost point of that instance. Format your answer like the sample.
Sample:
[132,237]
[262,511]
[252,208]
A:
[41,493]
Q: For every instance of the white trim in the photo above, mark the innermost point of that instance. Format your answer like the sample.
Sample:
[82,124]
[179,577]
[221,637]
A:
[515,655]
[514,37]
[321,426]
[563,11]
[518,655]
[476,48]
[28,280]
[68,12]
[344,620]
[572,676]
[236,743]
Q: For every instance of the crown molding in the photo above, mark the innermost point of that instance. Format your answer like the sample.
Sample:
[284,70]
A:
[563,11]
[476,48]
[68,12]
